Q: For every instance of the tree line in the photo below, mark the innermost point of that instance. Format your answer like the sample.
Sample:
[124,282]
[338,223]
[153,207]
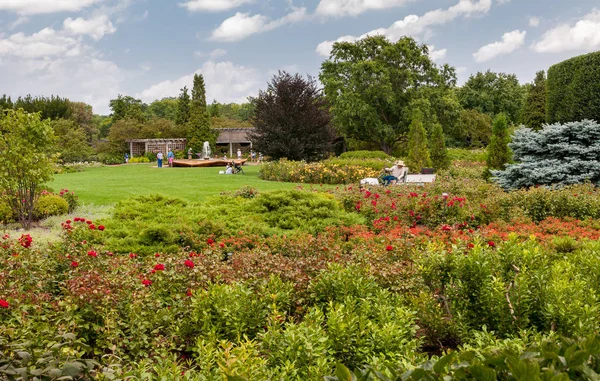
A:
[376,94]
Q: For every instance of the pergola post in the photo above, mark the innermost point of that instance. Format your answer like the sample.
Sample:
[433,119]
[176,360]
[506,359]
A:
[131,149]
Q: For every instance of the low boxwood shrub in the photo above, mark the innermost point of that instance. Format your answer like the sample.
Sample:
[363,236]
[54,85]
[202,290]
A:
[324,172]
[365,155]
[139,159]
[50,205]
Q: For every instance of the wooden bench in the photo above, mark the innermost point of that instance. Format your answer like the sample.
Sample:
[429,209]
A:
[419,179]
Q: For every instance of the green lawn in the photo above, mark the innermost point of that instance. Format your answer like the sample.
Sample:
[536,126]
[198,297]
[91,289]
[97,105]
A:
[107,185]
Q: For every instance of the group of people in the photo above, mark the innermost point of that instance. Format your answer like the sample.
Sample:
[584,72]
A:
[170,158]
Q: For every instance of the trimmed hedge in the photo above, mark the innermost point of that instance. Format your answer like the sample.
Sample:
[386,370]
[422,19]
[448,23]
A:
[573,90]
[365,155]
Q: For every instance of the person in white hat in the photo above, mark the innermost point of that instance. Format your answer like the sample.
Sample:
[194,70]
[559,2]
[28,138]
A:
[397,173]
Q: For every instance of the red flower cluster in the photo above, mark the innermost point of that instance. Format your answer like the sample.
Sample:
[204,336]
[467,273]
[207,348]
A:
[210,241]
[101,227]
[159,267]
[389,248]
[92,253]
[25,240]
[4,303]
[146,282]
[189,264]
[74,264]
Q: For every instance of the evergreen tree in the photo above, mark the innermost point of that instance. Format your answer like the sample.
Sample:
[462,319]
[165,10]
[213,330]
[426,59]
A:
[183,108]
[534,110]
[418,154]
[498,152]
[199,130]
[559,154]
[215,109]
[438,151]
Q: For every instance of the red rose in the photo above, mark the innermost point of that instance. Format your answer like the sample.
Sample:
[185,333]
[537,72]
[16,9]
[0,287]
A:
[101,227]
[389,248]
[146,282]
[470,245]
[92,253]
[156,255]
[159,267]
[189,264]
[446,228]
[74,264]
[221,245]
[491,244]
[4,303]
[68,221]
[189,293]
[88,222]
[132,255]
[92,226]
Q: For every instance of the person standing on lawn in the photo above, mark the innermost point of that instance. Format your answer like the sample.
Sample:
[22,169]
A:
[159,157]
[170,158]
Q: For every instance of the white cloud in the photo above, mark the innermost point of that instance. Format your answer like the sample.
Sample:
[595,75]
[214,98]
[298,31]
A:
[340,8]
[225,82]
[503,1]
[21,20]
[29,7]
[243,25]
[584,36]
[217,53]
[213,5]
[418,26]
[45,43]
[437,55]
[511,41]
[95,27]
[534,22]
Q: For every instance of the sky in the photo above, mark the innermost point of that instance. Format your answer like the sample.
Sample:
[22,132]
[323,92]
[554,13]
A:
[93,50]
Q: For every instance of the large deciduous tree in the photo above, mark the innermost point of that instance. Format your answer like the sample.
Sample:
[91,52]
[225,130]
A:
[26,144]
[199,130]
[370,84]
[291,119]
[534,110]
[127,107]
[493,93]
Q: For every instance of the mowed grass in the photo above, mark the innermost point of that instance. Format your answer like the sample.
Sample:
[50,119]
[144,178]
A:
[110,184]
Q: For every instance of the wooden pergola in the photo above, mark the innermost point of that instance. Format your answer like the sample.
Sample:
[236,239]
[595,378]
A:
[234,136]
[139,147]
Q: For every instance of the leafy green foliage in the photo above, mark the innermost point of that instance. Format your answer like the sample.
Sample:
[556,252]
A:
[72,143]
[331,171]
[365,155]
[557,155]
[370,84]
[183,108]
[50,205]
[473,129]
[127,107]
[572,90]
[493,93]
[291,119]
[26,144]
[534,110]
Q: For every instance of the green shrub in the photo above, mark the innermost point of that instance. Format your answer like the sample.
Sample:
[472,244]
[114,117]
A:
[110,158]
[70,198]
[298,351]
[374,164]
[246,192]
[139,159]
[6,213]
[572,90]
[324,172]
[365,155]
[469,155]
[50,205]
